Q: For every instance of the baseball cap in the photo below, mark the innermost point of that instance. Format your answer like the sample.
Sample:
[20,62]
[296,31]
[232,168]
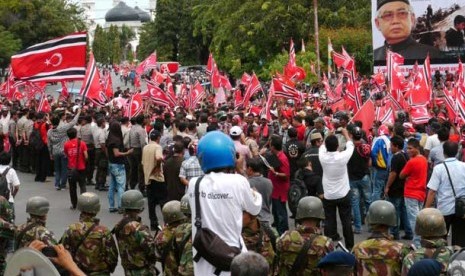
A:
[381,3]
[337,258]
[235,131]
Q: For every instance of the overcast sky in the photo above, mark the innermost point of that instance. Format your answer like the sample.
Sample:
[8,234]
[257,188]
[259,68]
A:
[102,6]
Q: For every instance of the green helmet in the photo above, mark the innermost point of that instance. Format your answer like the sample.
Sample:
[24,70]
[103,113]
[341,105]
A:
[185,205]
[430,223]
[310,207]
[172,212]
[37,205]
[132,200]
[382,212]
[89,203]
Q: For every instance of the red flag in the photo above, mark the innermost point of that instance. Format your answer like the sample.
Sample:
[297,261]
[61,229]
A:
[225,82]
[420,93]
[149,63]
[170,91]
[281,89]
[44,105]
[253,88]
[91,86]
[449,100]
[136,81]
[157,95]
[246,78]
[58,59]
[18,95]
[329,93]
[349,63]
[396,79]
[196,94]
[108,86]
[215,77]
[158,77]
[379,79]
[238,99]
[419,114]
[210,64]
[384,113]
[366,115]
[64,90]
[135,106]
[269,102]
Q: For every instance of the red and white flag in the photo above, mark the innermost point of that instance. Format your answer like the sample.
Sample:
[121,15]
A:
[44,105]
[238,99]
[420,92]
[284,90]
[253,88]
[419,114]
[196,94]
[64,90]
[395,76]
[91,86]
[134,106]
[149,63]
[291,70]
[58,59]
[224,80]
[170,91]
[158,77]
[215,77]
[366,115]
[246,78]
[108,86]
[157,95]
[210,64]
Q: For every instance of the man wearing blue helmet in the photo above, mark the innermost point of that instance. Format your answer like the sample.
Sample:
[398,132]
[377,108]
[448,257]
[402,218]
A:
[223,195]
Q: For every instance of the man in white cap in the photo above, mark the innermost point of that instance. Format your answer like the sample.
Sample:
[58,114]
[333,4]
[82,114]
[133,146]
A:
[244,151]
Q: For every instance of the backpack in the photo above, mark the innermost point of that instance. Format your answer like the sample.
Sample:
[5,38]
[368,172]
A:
[4,189]
[297,191]
[35,140]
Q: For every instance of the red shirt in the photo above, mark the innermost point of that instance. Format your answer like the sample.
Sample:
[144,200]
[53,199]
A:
[280,186]
[43,128]
[416,170]
[70,149]
[301,132]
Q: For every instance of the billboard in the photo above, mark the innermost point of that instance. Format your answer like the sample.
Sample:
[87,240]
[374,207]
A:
[414,28]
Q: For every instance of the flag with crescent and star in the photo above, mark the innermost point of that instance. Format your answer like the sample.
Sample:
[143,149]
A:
[58,59]
[91,86]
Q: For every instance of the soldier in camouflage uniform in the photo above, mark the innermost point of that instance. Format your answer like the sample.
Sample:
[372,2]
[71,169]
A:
[91,244]
[164,241]
[183,241]
[256,239]
[7,230]
[430,225]
[34,229]
[308,216]
[135,243]
[380,254]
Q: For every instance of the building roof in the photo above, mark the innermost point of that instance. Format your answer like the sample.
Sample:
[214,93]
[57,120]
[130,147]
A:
[144,16]
[122,12]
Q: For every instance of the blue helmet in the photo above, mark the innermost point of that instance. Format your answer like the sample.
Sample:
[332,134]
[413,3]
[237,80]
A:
[216,151]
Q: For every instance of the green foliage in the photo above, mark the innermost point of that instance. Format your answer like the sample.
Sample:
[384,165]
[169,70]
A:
[9,45]
[112,45]
[36,21]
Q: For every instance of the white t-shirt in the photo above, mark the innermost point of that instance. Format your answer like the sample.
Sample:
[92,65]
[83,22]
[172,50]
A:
[12,179]
[432,141]
[223,197]
[335,177]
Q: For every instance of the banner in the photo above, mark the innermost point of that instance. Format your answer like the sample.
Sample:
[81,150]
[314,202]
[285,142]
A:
[413,30]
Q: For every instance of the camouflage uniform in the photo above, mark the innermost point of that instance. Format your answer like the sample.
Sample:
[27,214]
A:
[97,254]
[164,245]
[289,244]
[38,232]
[186,264]
[7,230]
[136,248]
[426,251]
[259,242]
[379,255]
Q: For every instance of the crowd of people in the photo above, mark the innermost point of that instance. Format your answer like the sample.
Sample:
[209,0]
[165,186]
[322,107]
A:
[238,174]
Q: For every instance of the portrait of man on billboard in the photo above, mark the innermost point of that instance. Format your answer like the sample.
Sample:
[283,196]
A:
[395,19]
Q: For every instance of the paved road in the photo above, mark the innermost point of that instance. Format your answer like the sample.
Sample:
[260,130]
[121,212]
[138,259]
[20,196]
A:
[60,215]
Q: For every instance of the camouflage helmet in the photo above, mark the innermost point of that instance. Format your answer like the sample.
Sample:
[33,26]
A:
[88,202]
[310,207]
[132,200]
[172,212]
[382,212]
[37,205]
[430,223]
[185,205]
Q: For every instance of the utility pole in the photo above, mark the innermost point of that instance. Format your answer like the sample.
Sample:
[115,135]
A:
[317,37]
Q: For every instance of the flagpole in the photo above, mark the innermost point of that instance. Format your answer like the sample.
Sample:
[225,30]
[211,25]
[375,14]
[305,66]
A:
[317,42]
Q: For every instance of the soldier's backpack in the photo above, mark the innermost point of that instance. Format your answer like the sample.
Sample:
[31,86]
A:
[4,189]
[35,140]
[297,191]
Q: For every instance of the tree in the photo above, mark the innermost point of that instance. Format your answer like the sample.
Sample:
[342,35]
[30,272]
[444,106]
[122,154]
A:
[110,45]
[9,45]
[36,21]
